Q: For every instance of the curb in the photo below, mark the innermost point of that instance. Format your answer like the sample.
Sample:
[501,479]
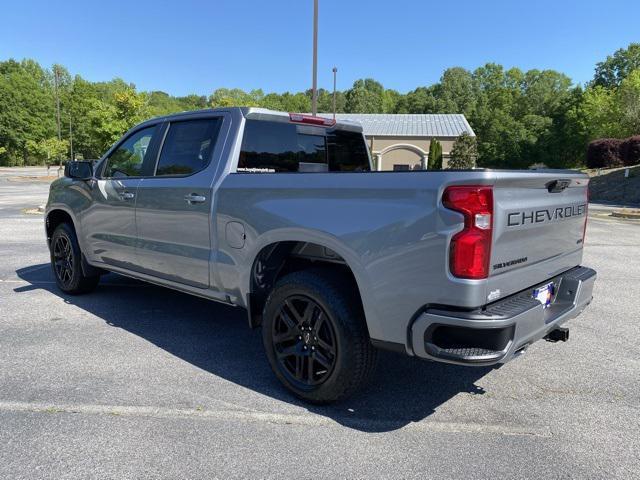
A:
[626,214]
[34,211]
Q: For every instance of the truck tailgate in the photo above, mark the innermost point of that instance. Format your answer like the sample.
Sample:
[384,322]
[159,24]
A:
[538,228]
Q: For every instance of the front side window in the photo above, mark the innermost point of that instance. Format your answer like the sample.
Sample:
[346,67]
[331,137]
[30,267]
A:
[127,160]
[269,147]
[188,146]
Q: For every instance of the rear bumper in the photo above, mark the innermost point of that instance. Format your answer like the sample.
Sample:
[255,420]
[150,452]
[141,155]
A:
[502,330]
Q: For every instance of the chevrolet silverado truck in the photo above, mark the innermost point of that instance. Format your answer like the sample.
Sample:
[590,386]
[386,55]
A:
[282,215]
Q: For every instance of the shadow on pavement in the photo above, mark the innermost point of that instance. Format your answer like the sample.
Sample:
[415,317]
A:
[216,338]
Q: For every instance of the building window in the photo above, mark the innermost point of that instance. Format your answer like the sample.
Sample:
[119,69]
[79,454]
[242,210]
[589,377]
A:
[400,168]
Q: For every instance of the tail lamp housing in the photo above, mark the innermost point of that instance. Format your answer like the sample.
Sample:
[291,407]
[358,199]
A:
[470,249]
[310,119]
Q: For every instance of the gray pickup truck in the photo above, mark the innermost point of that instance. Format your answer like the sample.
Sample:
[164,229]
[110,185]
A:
[281,214]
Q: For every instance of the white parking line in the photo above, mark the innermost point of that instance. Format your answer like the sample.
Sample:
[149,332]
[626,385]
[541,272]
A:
[309,419]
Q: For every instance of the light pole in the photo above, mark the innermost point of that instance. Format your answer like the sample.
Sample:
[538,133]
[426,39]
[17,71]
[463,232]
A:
[56,85]
[335,70]
[71,140]
[314,88]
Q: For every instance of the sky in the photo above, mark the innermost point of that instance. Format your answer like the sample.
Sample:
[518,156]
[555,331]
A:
[192,46]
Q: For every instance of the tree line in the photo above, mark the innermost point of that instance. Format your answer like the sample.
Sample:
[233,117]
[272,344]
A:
[520,118]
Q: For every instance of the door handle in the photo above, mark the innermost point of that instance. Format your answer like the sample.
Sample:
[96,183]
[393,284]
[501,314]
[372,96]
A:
[194,198]
[127,195]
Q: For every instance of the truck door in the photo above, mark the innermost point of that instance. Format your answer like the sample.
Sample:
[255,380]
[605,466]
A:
[174,206]
[110,220]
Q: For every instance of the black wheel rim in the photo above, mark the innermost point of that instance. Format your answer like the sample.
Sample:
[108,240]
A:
[63,259]
[304,341]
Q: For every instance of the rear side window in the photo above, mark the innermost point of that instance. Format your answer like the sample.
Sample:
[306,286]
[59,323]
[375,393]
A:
[347,152]
[269,147]
[188,146]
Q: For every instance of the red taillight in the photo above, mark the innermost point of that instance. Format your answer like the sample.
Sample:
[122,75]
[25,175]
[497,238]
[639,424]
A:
[470,249]
[300,118]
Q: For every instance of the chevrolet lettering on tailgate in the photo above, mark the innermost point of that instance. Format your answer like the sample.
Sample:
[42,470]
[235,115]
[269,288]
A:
[546,215]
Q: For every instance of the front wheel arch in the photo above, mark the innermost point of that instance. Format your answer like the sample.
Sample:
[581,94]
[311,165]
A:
[56,217]
[77,278]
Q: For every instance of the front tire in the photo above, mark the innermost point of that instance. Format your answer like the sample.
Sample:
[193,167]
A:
[66,262]
[315,336]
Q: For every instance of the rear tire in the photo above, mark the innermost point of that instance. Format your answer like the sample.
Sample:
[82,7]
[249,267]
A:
[66,262]
[316,338]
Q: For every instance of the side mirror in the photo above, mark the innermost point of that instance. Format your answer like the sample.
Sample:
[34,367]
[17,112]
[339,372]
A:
[79,170]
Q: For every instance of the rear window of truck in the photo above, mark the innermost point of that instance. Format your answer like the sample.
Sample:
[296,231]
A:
[272,147]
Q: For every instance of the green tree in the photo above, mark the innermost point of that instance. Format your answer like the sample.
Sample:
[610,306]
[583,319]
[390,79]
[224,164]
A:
[435,155]
[543,92]
[564,143]
[628,99]
[83,97]
[192,102]
[464,152]
[495,120]
[26,109]
[599,114]
[272,101]
[366,96]
[110,118]
[235,97]
[612,71]
[50,150]
[390,99]
[457,92]
[161,103]
[325,101]
[520,118]
[298,102]
[420,100]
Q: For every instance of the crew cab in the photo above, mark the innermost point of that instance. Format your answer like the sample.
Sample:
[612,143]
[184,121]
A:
[282,215]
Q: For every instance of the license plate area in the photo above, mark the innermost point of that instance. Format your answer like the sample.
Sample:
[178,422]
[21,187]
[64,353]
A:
[544,294]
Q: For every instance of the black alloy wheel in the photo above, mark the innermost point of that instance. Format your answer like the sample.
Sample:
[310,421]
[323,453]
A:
[63,260]
[304,341]
[315,335]
[67,263]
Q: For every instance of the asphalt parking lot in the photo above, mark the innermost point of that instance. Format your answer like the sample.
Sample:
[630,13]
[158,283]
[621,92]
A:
[137,381]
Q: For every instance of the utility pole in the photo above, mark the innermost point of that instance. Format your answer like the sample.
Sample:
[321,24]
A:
[70,139]
[57,93]
[314,88]
[335,70]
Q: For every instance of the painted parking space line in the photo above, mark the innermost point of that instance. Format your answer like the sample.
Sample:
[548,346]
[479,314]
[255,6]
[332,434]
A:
[256,416]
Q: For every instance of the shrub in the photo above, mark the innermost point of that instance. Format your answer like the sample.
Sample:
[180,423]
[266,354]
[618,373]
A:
[604,153]
[435,155]
[630,151]
[463,153]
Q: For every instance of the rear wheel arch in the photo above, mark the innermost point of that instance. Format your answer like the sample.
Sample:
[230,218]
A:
[278,259]
[315,336]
